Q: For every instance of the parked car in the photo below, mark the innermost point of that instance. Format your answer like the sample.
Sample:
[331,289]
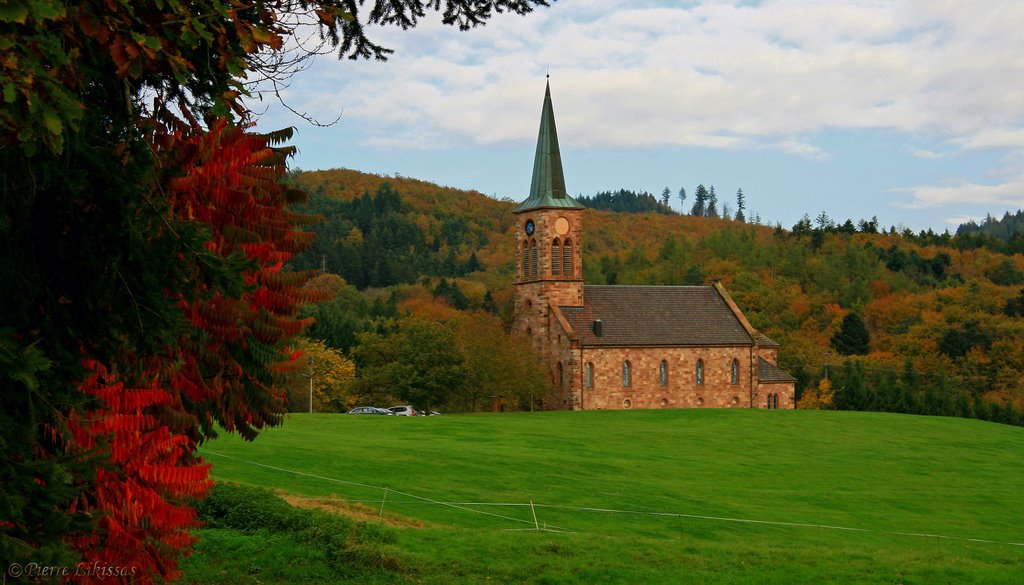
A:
[370,410]
[403,410]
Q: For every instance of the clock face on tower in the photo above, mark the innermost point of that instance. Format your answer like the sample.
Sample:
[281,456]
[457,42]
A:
[529,227]
[561,226]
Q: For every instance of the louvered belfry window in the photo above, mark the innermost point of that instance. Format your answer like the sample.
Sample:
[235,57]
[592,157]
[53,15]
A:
[556,257]
[526,260]
[533,258]
[567,257]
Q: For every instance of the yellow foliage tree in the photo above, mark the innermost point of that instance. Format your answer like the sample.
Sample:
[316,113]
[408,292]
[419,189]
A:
[332,376]
[819,398]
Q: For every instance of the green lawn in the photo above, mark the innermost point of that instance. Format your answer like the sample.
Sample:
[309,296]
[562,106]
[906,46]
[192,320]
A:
[691,496]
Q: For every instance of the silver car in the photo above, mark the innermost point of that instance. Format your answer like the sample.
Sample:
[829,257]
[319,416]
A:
[370,410]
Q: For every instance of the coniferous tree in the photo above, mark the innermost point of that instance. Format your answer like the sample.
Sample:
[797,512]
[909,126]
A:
[712,204]
[741,206]
[700,199]
[682,199]
[694,276]
[1015,306]
[665,196]
[852,337]
[957,342]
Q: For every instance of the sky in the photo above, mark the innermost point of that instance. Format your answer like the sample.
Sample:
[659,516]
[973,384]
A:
[909,111]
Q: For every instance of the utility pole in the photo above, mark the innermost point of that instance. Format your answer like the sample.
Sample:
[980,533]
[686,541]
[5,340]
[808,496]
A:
[310,376]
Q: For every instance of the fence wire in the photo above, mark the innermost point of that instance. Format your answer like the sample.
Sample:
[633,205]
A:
[414,499]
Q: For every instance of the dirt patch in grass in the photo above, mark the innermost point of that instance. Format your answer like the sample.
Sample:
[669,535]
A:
[354,510]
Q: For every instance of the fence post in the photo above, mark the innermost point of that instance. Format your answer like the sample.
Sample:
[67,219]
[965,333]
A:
[382,500]
[534,510]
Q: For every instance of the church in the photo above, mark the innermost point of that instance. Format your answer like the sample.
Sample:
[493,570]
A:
[622,347]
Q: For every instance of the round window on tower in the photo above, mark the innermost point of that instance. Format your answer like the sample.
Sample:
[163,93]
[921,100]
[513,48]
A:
[561,226]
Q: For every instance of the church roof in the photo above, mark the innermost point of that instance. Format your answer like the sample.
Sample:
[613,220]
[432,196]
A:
[547,189]
[656,316]
[768,372]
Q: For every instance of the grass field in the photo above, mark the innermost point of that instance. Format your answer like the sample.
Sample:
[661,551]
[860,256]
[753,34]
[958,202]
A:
[682,496]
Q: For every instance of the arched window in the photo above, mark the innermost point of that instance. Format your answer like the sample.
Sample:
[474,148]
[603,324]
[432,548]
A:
[775,401]
[567,257]
[590,375]
[526,259]
[556,257]
[533,258]
[700,372]
[627,375]
[735,371]
[663,373]
[561,376]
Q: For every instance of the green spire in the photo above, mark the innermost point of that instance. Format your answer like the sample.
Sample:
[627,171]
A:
[548,186]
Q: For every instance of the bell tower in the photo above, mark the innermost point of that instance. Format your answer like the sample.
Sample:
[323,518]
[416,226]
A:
[549,260]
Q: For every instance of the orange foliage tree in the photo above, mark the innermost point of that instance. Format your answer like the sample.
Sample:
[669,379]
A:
[145,298]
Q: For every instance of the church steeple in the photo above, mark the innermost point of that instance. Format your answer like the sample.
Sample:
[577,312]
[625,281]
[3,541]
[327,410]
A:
[549,252]
[547,189]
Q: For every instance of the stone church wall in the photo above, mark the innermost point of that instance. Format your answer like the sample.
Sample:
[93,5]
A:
[681,389]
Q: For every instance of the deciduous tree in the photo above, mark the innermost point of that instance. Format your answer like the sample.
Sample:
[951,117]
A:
[147,232]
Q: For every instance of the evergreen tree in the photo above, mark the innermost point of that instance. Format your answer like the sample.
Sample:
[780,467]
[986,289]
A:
[824,222]
[682,199]
[712,205]
[957,342]
[700,200]
[851,393]
[473,264]
[802,227]
[694,276]
[665,196]
[1015,307]
[852,337]
[624,200]
[741,206]
[868,227]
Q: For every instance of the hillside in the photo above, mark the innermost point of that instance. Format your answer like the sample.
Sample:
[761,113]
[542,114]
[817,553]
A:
[944,335]
[708,496]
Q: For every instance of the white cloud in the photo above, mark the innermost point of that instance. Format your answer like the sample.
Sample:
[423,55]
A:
[993,138]
[957,220]
[943,75]
[717,72]
[801,148]
[1006,194]
[928,154]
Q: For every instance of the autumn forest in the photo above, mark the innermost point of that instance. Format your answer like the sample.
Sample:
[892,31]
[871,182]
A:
[167,278]
[869,318]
